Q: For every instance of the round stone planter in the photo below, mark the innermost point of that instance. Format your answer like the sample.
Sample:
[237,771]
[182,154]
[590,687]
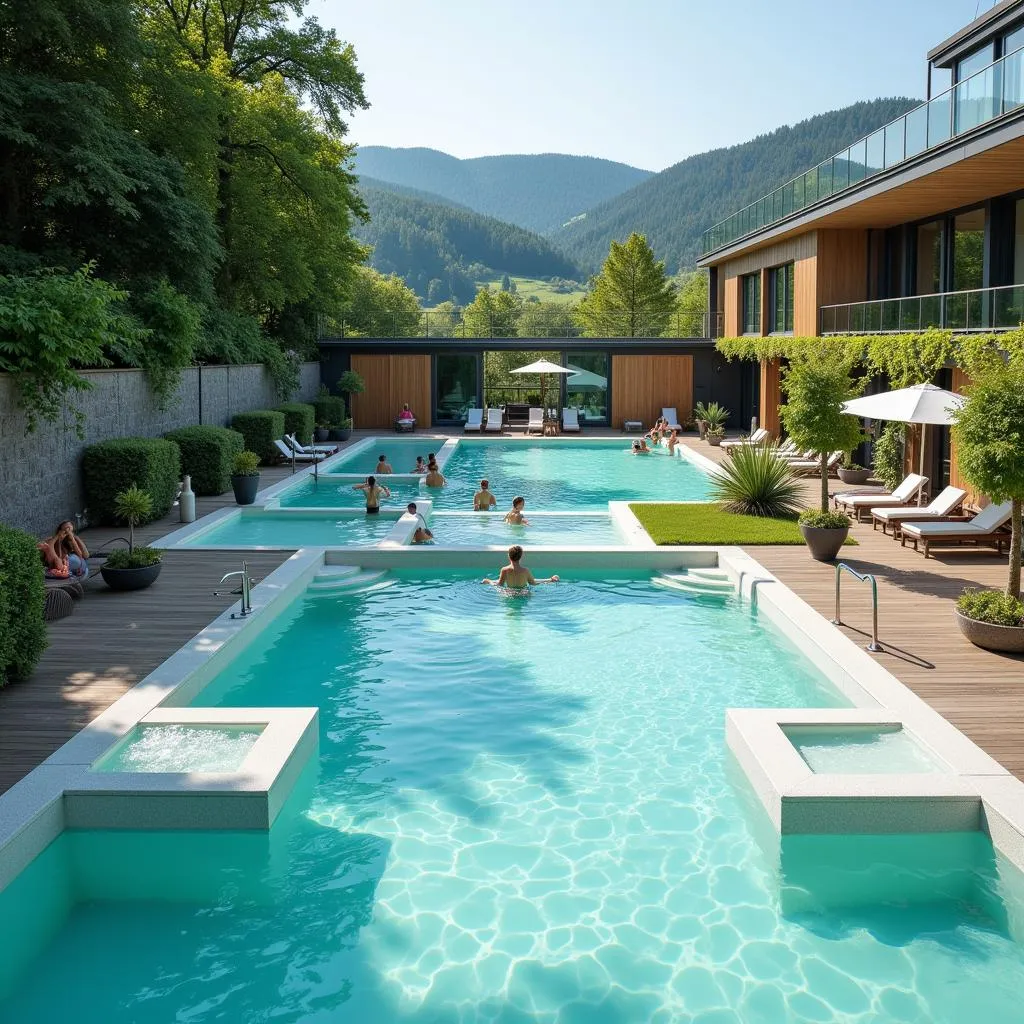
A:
[131,579]
[322,434]
[824,545]
[339,434]
[715,440]
[245,488]
[854,476]
[1006,639]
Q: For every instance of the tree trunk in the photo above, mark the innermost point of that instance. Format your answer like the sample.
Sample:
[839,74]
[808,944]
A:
[1013,581]
[824,481]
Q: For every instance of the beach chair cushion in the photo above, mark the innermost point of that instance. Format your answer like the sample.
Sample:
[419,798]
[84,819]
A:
[986,522]
[941,505]
[669,413]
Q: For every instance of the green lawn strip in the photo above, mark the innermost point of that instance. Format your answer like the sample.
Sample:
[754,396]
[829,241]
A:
[707,523]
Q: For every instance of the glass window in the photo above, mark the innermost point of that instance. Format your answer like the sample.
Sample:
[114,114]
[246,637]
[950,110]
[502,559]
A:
[929,258]
[781,284]
[973,63]
[456,380]
[1013,79]
[968,250]
[587,389]
[941,80]
[750,296]
[1018,243]
[1013,40]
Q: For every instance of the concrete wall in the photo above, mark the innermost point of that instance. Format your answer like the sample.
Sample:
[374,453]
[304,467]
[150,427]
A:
[40,473]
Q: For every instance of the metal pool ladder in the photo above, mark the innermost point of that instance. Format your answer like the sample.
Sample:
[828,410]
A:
[875,647]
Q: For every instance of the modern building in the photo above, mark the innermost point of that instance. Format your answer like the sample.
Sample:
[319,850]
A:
[921,224]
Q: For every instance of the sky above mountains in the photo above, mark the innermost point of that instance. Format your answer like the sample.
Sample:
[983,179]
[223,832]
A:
[647,83]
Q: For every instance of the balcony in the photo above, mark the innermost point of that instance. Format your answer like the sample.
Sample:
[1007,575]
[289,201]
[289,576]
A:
[985,96]
[982,309]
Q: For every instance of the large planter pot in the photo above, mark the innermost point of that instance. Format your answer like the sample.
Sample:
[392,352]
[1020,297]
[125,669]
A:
[322,434]
[245,488]
[854,476]
[339,434]
[1008,639]
[131,579]
[715,440]
[824,545]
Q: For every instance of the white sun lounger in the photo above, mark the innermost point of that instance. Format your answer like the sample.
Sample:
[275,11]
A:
[759,436]
[571,421]
[856,502]
[287,453]
[812,466]
[536,421]
[474,421]
[311,449]
[494,418]
[944,504]
[669,414]
[982,529]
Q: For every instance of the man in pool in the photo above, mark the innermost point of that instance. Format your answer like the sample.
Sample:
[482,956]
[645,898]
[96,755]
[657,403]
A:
[422,534]
[383,466]
[514,516]
[484,500]
[515,575]
[421,466]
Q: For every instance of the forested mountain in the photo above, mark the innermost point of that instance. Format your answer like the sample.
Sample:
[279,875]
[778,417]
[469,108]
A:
[674,207]
[366,182]
[539,192]
[440,250]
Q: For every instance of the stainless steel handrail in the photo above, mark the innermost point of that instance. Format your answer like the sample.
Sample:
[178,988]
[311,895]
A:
[875,647]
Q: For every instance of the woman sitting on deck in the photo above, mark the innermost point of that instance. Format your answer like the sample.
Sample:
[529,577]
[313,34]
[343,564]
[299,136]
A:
[406,420]
[65,554]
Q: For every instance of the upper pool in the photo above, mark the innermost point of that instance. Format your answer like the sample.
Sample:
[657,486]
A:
[400,451]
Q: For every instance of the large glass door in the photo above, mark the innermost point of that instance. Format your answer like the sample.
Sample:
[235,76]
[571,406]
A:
[587,388]
[456,386]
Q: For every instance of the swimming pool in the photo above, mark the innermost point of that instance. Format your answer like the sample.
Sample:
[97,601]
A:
[522,812]
[327,492]
[401,453]
[259,528]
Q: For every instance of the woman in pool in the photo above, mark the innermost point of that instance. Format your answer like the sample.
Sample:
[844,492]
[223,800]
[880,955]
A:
[65,554]
[640,447]
[383,466]
[514,516]
[515,575]
[421,466]
[373,491]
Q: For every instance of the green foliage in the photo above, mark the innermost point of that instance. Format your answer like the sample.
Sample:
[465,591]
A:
[110,467]
[207,455]
[888,455]
[137,558]
[991,606]
[546,319]
[754,482]
[260,428]
[350,383]
[381,307]
[710,523]
[133,506]
[691,305]
[299,420]
[246,464]
[714,415]
[492,315]
[329,409]
[631,297]
[22,598]
[823,519]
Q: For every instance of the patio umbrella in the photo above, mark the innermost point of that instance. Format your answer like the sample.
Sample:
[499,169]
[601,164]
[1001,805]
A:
[542,367]
[922,403]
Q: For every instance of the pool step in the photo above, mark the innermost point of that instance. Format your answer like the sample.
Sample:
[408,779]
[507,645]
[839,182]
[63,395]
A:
[702,582]
[335,583]
[335,572]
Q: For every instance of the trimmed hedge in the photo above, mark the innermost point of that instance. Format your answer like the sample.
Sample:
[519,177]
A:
[330,409]
[22,599]
[110,467]
[208,455]
[260,430]
[298,420]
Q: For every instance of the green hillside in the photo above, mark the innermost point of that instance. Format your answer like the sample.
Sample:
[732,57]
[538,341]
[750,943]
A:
[539,192]
[674,207]
[441,250]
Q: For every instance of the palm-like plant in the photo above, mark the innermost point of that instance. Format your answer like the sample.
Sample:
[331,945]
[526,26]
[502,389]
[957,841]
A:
[715,415]
[756,483]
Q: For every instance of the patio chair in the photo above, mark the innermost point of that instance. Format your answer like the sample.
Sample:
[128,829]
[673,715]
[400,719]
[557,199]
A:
[669,413]
[984,528]
[941,507]
[570,421]
[759,436]
[405,426]
[856,502]
[810,467]
[536,421]
[309,449]
[494,418]
[474,421]
[288,454]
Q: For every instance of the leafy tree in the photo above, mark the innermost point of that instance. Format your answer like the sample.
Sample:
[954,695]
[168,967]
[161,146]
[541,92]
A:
[382,306]
[989,438]
[492,315]
[548,320]
[631,297]
[816,384]
[691,305]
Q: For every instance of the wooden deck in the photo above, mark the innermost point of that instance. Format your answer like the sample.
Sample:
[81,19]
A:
[114,640]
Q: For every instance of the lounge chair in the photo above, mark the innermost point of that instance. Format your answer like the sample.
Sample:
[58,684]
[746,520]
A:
[856,502]
[570,421]
[984,528]
[536,421]
[311,449]
[810,467]
[942,507]
[474,421]
[669,414]
[494,418]
[759,436]
[288,454]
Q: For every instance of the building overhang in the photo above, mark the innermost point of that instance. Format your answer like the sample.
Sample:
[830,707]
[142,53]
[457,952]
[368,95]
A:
[993,22]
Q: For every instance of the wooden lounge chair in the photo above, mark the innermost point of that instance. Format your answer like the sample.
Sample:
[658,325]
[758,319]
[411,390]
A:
[854,503]
[570,421]
[536,421]
[942,506]
[985,528]
[759,436]
[494,418]
[288,454]
[810,467]
[669,414]
[474,421]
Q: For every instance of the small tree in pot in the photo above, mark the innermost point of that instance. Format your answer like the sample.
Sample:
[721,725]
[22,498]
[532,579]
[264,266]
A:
[350,383]
[132,568]
[245,480]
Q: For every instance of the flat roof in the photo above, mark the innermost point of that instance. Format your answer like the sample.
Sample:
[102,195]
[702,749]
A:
[989,22]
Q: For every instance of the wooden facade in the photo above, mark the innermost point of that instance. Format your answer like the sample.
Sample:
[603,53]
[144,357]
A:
[770,396]
[960,382]
[643,384]
[391,380]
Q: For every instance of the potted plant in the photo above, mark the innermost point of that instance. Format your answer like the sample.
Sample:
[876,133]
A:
[824,533]
[342,431]
[245,479]
[350,383]
[715,416]
[322,432]
[132,568]
[852,473]
[714,436]
[990,453]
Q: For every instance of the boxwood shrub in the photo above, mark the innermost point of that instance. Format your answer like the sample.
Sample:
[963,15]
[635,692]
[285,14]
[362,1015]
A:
[152,463]
[298,420]
[260,429]
[22,627]
[330,410]
[208,455]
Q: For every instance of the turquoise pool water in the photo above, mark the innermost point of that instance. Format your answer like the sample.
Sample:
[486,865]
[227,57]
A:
[328,493]
[522,812]
[487,528]
[266,529]
[182,748]
[861,750]
[401,453]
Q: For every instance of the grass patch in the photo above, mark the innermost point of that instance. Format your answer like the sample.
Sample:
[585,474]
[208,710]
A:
[527,286]
[708,523]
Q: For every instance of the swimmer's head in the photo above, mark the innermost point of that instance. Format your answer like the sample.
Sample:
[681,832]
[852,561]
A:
[371,480]
[518,503]
[515,553]
[483,485]
[382,458]
[411,508]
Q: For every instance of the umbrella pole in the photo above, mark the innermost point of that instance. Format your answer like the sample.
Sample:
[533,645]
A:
[920,490]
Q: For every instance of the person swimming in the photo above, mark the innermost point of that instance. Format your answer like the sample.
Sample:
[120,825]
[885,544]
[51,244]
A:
[515,575]
[421,466]
[484,500]
[373,492]
[673,440]
[514,516]
[640,447]
[383,466]
[422,534]
[434,477]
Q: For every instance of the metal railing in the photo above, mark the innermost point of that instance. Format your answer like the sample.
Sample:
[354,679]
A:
[875,647]
[978,309]
[992,92]
[382,323]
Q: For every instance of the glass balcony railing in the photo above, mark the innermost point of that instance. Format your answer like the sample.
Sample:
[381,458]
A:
[983,309]
[992,92]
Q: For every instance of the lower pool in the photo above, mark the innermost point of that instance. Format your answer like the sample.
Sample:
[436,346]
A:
[522,812]
[257,528]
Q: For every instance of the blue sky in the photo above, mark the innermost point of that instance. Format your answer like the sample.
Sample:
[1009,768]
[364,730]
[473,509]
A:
[647,82]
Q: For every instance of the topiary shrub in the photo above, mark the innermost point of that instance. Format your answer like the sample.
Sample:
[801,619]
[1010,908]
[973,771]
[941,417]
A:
[150,463]
[22,597]
[260,429]
[299,418]
[207,455]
